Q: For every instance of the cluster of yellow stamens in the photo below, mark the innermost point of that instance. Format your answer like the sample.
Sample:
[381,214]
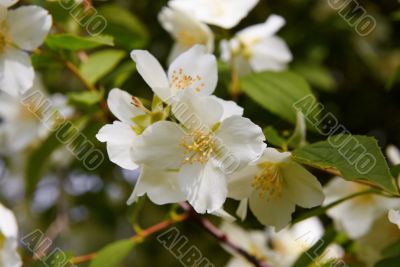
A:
[182,81]
[199,147]
[269,181]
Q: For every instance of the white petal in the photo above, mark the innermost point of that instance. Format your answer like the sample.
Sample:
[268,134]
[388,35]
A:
[305,190]
[223,13]
[160,186]
[120,104]
[241,140]
[190,111]
[393,154]
[9,256]
[204,186]
[186,30]
[120,139]
[239,183]
[270,27]
[29,26]
[8,223]
[241,211]
[17,70]
[159,146]
[270,54]
[273,155]
[275,212]
[200,66]
[152,73]
[394,217]
[3,13]
[8,3]
[230,108]
[224,215]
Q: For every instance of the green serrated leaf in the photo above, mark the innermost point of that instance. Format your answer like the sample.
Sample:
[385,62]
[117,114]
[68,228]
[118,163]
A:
[85,98]
[100,63]
[113,254]
[356,157]
[74,42]
[278,92]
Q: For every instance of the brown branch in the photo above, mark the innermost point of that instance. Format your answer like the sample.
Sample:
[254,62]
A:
[74,70]
[139,236]
[221,236]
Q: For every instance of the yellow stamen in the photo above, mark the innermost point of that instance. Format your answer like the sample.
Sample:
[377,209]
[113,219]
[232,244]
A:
[269,181]
[182,81]
[199,147]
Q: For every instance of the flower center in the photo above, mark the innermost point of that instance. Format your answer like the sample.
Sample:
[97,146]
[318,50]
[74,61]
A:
[269,181]
[199,147]
[182,81]
[4,39]
[187,38]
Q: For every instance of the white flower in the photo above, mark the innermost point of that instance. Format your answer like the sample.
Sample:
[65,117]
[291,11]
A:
[202,156]
[393,154]
[186,30]
[357,215]
[394,217]
[257,48]
[120,135]
[255,242]
[22,29]
[223,13]
[293,241]
[8,239]
[30,116]
[194,70]
[274,185]
[381,234]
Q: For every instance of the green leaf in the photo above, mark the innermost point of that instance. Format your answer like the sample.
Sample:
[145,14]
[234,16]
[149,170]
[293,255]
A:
[74,42]
[100,63]
[85,98]
[112,254]
[298,138]
[317,76]
[273,137]
[127,30]
[392,250]
[395,171]
[356,157]
[389,262]
[312,254]
[278,92]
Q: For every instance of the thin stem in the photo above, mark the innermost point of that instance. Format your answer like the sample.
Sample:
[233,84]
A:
[140,236]
[221,236]
[74,70]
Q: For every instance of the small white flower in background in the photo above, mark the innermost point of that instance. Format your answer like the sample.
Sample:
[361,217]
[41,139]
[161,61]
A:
[21,30]
[257,48]
[120,135]
[293,241]
[255,242]
[186,30]
[273,186]
[357,215]
[23,120]
[223,13]
[393,154]
[381,235]
[8,239]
